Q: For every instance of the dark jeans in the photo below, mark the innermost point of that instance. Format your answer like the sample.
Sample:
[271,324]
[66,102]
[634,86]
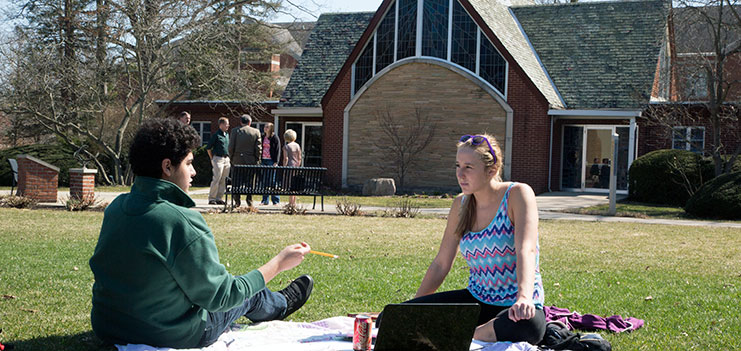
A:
[270,182]
[531,330]
[238,200]
[266,305]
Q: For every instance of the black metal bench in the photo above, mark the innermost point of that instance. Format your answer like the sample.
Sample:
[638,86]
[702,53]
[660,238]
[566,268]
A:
[275,180]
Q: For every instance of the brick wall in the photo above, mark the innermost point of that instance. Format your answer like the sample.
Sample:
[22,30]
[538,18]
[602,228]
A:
[655,135]
[332,131]
[82,183]
[530,132]
[531,125]
[455,104]
[37,179]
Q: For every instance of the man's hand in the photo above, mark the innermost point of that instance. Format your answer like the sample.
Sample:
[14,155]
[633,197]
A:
[288,258]
[292,255]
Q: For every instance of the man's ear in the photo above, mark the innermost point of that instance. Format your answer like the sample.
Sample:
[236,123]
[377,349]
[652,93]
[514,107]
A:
[167,168]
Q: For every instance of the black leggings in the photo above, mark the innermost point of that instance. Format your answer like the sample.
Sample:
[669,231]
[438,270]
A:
[531,330]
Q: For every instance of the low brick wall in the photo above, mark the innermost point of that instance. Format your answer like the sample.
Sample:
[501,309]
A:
[37,179]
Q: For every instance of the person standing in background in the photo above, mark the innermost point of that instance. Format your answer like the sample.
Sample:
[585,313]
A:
[291,156]
[218,153]
[270,154]
[245,148]
[184,118]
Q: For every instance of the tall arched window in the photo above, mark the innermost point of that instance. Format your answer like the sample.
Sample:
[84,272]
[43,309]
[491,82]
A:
[385,41]
[492,66]
[407,36]
[463,43]
[447,32]
[435,28]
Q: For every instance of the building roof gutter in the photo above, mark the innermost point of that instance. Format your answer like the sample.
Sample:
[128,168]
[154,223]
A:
[297,111]
[595,113]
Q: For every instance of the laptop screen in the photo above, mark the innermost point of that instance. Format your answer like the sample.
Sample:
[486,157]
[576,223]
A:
[426,326]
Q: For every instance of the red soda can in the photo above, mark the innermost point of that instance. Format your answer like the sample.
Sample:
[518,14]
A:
[361,337]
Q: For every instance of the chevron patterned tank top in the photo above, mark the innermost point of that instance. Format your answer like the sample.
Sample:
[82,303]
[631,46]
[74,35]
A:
[492,261]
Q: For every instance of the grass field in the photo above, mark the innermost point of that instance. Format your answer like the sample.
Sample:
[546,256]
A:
[365,201]
[638,210]
[691,274]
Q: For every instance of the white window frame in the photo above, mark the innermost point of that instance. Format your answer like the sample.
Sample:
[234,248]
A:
[688,138]
[697,85]
[199,127]
[303,135]
[259,125]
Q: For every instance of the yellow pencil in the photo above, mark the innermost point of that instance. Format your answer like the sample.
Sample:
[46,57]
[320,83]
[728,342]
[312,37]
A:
[323,254]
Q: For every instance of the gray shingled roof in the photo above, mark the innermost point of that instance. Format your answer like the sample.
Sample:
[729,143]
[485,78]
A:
[599,55]
[498,18]
[329,45]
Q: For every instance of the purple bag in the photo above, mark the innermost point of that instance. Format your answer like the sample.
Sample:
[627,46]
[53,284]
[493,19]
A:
[574,320]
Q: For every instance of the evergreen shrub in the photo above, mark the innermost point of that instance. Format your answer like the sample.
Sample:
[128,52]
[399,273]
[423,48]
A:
[202,164]
[718,198]
[658,176]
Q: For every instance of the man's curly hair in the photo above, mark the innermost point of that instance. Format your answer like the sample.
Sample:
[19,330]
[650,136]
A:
[158,139]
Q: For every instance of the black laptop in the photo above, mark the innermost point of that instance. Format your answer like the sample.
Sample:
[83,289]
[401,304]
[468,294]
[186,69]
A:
[427,326]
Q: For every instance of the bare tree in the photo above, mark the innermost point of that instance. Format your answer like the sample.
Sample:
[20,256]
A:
[708,38]
[93,69]
[405,139]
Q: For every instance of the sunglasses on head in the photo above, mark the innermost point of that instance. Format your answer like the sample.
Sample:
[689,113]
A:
[477,140]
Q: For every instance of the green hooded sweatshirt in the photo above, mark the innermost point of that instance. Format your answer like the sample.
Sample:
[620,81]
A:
[157,270]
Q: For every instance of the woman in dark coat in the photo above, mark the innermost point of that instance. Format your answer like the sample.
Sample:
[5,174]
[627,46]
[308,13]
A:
[270,154]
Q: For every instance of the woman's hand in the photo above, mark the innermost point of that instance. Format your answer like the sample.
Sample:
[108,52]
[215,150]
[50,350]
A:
[523,309]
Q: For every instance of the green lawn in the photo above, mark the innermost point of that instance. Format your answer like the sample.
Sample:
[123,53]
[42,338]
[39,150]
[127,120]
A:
[366,201]
[638,210]
[692,274]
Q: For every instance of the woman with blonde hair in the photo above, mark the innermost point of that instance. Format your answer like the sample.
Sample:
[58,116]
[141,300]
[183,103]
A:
[494,224]
[270,154]
[291,156]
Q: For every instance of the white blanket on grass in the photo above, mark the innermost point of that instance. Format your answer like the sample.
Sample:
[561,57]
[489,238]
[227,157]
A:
[324,335]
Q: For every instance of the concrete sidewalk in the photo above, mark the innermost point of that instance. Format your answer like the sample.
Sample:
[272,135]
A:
[550,207]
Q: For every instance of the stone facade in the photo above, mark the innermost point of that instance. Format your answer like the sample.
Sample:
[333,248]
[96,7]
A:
[452,101]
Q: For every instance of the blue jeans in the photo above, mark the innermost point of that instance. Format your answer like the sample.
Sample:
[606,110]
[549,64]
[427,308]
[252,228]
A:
[271,182]
[266,305]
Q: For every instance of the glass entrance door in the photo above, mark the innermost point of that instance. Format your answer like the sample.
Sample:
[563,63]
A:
[587,158]
[599,158]
[309,137]
[573,148]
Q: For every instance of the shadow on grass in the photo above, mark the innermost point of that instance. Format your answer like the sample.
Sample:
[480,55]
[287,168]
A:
[82,341]
[626,208]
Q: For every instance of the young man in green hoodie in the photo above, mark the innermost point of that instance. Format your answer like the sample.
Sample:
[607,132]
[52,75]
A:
[158,280]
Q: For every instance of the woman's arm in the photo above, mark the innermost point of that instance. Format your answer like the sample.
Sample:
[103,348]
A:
[300,157]
[440,266]
[275,149]
[524,214]
[285,156]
